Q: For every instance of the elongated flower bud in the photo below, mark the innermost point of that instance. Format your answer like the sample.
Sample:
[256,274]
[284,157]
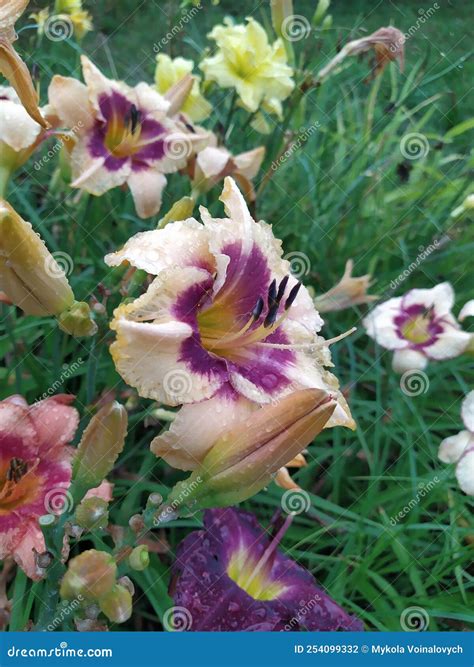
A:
[117,604]
[101,443]
[91,575]
[92,513]
[29,273]
[243,460]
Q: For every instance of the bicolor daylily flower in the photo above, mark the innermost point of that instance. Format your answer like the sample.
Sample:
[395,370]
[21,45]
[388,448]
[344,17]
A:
[223,322]
[169,72]
[247,62]
[35,472]
[19,135]
[230,576]
[459,448]
[123,135]
[214,163]
[11,65]
[419,327]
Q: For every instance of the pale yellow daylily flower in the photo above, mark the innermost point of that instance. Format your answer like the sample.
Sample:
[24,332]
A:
[11,65]
[246,61]
[169,72]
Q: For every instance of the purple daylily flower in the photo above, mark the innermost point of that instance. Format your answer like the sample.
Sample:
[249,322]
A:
[230,576]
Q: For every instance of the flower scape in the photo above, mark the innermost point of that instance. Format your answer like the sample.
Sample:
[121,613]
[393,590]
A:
[203,426]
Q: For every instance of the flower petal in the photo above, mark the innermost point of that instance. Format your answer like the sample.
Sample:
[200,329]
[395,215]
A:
[467,411]
[440,297]
[55,421]
[408,360]
[451,449]
[466,311]
[465,472]
[69,99]
[146,186]
[380,324]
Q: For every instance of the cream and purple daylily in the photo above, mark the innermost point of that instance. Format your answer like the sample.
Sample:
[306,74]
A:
[224,327]
[123,135]
[419,327]
[459,448]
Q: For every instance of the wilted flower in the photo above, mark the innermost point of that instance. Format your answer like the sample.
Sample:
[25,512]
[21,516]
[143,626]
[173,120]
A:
[348,292]
[35,471]
[418,327]
[246,61]
[117,604]
[169,72]
[122,135]
[460,448]
[11,65]
[32,278]
[230,576]
[387,43]
[91,575]
[244,458]
[19,135]
[214,163]
[223,318]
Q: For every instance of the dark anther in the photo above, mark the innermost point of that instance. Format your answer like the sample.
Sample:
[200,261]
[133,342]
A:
[16,470]
[257,311]
[272,292]
[282,288]
[271,315]
[133,118]
[292,295]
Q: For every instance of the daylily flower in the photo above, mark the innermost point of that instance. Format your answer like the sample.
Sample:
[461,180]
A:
[223,321]
[214,163]
[460,448]
[81,20]
[230,576]
[387,43]
[122,135]
[34,467]
[418,327]
[348,292]
[169,72]
[11,65]
[246,61]
[19,135]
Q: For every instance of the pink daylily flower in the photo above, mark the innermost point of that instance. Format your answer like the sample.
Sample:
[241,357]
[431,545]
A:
[459,448]
[35,472]
[419,327]
[223,328]
[123,135]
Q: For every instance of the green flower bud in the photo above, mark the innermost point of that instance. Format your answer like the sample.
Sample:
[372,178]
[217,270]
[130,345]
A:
[77,320]
[117,604]
[92,514]
[139,558]
[92,574]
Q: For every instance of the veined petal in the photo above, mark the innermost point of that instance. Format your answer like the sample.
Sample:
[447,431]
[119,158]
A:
[197,427]
[146,186]
[450,343]
[91,174]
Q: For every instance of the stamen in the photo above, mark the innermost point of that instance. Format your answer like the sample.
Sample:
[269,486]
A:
[132,119]
[16,470]
[272,292]
[271,315]
[292,295]
[258,308]
[282,288]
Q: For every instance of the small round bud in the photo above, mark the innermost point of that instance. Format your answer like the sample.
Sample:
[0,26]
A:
[139,558]
[117,604]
